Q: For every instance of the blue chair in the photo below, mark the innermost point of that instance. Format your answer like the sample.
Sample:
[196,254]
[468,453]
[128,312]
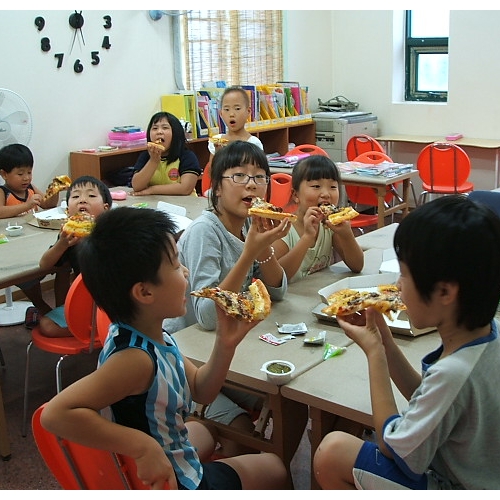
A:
[489,198]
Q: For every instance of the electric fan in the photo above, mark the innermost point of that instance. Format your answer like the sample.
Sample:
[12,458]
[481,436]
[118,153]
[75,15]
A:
[15,119]
[15,127]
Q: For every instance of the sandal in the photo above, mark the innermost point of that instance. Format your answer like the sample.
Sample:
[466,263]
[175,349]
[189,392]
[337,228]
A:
[32,317]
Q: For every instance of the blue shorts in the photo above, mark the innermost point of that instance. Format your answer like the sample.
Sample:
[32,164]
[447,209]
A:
[374,471]
[57,316]
[218,476]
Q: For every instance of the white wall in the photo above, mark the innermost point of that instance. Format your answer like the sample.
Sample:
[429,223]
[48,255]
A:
[350,53]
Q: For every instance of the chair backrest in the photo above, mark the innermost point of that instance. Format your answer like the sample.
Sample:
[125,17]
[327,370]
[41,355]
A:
[103,322]
[80,312]
[281,189]
[443,164]
[361,195]
[489,198]
[307,148]
[205,179]
[361,143]
[78,467]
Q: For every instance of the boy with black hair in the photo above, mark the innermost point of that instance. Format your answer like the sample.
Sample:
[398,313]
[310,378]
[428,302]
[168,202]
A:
[131,267]
[447,438]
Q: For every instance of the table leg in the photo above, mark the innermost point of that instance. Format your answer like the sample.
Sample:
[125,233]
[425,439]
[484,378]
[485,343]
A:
[322,423]
[4,435]
[381,192]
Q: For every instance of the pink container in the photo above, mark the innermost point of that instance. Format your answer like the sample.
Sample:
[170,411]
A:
[126,136]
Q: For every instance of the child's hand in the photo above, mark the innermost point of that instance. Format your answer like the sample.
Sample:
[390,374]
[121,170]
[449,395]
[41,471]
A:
[154,152]
[312,220]
[34,201]
[263,232]
[67,240]
[363,328]
[155,470]
[341,229]
[232,331]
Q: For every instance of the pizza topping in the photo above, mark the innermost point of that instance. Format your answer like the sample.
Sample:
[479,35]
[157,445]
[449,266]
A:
[262,208]
[344,302]
[336,215]
[80,224]
[58,184]
[263,204]
[253,305]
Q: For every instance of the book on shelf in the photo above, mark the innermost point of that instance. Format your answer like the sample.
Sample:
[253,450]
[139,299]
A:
[181,106]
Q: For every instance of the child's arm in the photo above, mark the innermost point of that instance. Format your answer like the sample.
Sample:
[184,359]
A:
[370,337]
[49,202]
[184,187]
[205,382]
[52,255]
[73,414]
[346,245]
[16,210]
[140,179]
[291,258]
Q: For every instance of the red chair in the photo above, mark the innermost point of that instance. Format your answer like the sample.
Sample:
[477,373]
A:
[307,148]
[80,311]
[361,195]
[281,189]
[206,182]
[444,169]
[362,143]
[78,467]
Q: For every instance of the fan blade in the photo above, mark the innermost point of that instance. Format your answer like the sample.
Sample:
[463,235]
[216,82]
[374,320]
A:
[17,118]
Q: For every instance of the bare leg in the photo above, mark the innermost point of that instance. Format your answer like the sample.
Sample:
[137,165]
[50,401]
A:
[62,283]
[51,329]
[204,437]
[259,471]
[334,460]
[230,448]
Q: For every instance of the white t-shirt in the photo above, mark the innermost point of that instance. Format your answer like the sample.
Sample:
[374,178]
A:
[252,139]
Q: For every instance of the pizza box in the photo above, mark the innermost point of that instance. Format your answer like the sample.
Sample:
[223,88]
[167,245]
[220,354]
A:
[400,324]
[390,263]
[48,219]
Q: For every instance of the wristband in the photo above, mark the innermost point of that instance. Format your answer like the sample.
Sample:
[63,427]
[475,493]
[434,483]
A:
[265,261]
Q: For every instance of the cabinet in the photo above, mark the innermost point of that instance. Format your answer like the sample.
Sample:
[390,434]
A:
[101,163]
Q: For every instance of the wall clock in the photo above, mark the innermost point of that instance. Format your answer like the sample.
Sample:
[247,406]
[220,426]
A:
[76,23]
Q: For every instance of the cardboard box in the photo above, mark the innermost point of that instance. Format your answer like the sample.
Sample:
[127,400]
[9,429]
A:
[48,219]
[400,324]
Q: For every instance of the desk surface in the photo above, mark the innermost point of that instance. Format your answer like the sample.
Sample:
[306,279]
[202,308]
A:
[428,139]
[19,257]
[302,297]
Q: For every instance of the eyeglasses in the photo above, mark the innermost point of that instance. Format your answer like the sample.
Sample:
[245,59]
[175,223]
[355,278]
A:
[260,180]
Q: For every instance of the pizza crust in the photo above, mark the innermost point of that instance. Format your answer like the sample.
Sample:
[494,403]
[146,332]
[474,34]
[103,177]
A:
[336,215]
[157,145]
[254,305]
[219,141]
[262,208]
[347,301]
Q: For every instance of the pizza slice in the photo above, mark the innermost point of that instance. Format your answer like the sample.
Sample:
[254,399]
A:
[219,141]
[158,145]
[57,185]
[336,215]
[262,208]
[254,305]
[347,301]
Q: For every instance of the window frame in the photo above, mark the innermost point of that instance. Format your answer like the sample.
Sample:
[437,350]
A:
[414,47]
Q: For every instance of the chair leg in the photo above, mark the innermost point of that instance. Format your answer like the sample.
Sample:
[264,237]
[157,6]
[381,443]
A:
[2,360]
[26,384]
[58,374]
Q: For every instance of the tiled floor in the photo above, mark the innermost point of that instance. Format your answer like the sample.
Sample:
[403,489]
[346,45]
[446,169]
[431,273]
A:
[26,470]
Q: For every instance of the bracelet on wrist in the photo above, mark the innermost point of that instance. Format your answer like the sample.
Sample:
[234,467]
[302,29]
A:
[265,261]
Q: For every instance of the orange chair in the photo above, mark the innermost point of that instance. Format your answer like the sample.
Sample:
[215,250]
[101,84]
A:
[307,148]
[80,312]
[361,143]
[78,467]
[281,189]
[444,169]
[206,182]
[360,195]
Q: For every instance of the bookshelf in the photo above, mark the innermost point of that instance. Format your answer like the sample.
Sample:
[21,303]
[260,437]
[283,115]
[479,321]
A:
[275,139]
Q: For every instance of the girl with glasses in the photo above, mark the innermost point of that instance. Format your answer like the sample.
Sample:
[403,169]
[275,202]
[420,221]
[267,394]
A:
[224,247]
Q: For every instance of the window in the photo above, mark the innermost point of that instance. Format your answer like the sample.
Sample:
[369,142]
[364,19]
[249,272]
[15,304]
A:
[238,46]
[426,58]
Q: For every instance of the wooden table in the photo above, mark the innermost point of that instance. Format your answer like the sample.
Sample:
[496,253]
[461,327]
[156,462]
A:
[289,417]
[323,388]
[379,183]
[388,141]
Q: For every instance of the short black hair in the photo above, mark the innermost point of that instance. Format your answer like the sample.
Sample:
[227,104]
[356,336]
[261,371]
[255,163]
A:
[236,153]
[15,155]
[126,246]
[455,240]
[313,168]
[93,181]
[236,88]
[178,143]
